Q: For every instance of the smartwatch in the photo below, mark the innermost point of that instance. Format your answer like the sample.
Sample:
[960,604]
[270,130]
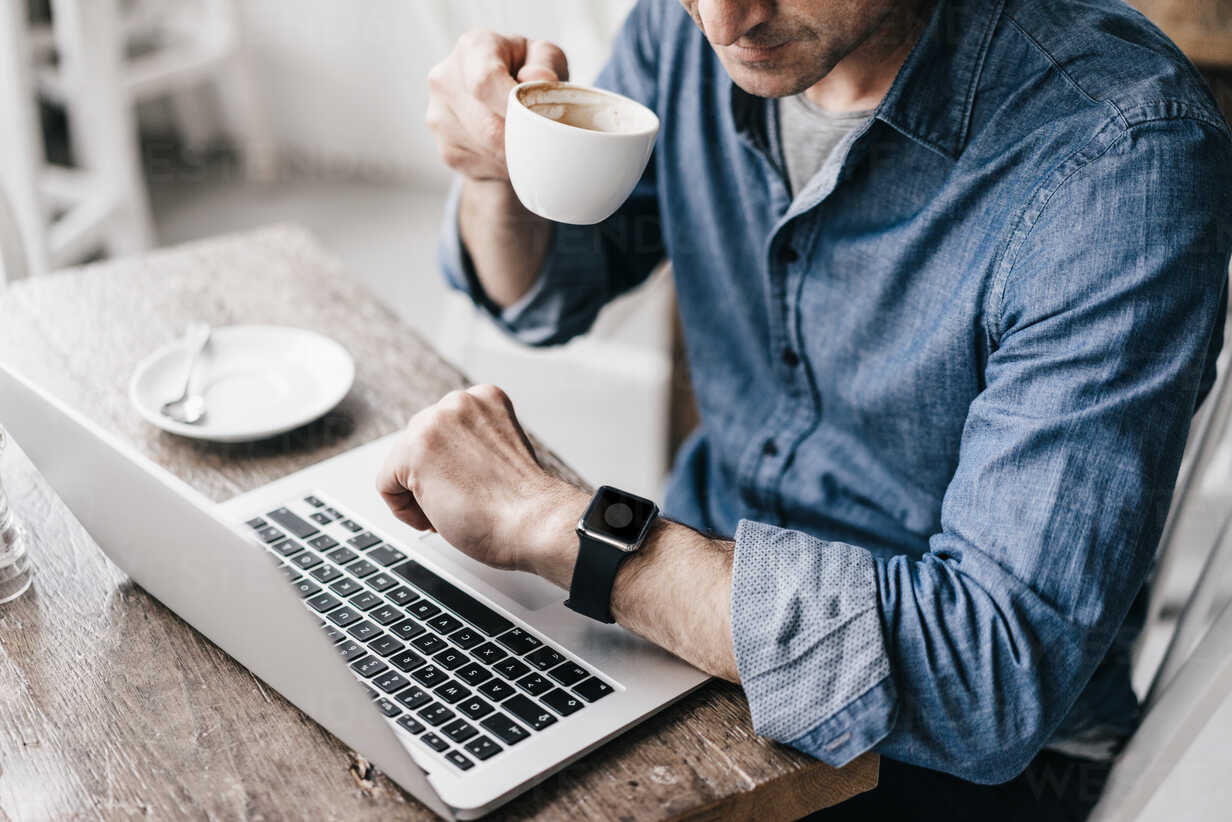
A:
[614,526]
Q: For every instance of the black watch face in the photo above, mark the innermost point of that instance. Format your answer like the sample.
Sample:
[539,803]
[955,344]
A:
[617,515]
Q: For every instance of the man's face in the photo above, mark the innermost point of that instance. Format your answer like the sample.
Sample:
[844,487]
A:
[774,48]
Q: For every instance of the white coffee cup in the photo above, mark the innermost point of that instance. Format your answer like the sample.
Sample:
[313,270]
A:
[575,153]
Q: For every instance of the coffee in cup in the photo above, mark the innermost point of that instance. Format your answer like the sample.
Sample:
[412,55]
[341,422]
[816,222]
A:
[575,153]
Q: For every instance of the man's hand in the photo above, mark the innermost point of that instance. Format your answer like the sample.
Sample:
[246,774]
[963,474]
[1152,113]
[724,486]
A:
[468,92]
[464,468]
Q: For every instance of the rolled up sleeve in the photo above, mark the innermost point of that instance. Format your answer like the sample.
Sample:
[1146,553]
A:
[808,640]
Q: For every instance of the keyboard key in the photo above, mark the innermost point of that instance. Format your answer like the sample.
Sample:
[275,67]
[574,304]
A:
[388,708]
[429,643]
[345,587]
[489,653]
[385,645]
[364,541]
[344,616]
[459,730]
[314,502]
[325,573]
[452,692]
[411,724]
[385,555]
[496,689]
[306,560]
[256,523]
[402,595]
[453,598]
[362,568]
[466,638]
[502,726]
[323,602]
[386,614]
[568,673]
[369,665]
[475,708]
[334,512]
[434,742]
[321,519]
[482,748]
[407,661]
[519,641]
[459,759]
[381,581]
[450,658]
[472,674]
[534,684]
[511,668]
[423,609]
[545,658]
[287,547]
[293,523]
[430,676]
[407,629]
[413,697]
[342,555]
[529,711]
[334,634]
[562,702]
[351,650]
[444,623]
[592,689]
[365,600]
[364,631]
[352,526]
[306,588]
[290,573]
[269,534]
[390,682]
[434,713]
[323,542]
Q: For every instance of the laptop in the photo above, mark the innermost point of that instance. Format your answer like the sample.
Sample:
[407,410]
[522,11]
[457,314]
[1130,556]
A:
[464,684]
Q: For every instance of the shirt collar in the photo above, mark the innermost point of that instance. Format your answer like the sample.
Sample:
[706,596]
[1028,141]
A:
[930,100]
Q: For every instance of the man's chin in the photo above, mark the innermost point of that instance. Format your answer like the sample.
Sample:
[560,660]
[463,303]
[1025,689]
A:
[766,79]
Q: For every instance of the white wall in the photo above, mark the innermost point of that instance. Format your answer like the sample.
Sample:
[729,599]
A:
[345,81]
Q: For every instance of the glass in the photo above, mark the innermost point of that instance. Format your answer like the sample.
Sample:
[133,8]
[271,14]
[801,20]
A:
[15,569]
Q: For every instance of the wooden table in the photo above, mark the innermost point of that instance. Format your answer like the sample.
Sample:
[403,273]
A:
[111,707]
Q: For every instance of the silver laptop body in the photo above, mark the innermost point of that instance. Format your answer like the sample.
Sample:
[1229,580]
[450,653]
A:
[218,576]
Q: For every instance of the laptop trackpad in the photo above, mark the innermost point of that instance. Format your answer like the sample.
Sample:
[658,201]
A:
[527,590]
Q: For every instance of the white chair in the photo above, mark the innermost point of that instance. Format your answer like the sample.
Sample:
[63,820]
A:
[1178,708]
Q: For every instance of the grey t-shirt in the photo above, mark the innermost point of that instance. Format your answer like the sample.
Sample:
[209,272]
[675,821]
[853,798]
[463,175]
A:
[809,135]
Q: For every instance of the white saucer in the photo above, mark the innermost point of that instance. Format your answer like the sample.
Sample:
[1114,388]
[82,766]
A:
[258,381]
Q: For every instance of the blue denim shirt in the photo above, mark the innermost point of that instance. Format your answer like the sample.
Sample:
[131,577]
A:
[945,389]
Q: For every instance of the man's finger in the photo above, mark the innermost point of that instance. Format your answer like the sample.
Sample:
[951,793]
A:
[398,497]
[544,61]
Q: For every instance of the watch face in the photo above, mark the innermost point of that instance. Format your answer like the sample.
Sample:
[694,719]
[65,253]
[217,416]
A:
[619,516]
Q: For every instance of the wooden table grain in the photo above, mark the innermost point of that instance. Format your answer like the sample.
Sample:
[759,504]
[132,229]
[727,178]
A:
[113,708]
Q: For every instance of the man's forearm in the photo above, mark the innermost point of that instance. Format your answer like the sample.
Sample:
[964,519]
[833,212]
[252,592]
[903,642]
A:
[675,591]
[507,244]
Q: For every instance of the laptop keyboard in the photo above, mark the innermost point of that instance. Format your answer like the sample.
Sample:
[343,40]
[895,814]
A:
[462,679]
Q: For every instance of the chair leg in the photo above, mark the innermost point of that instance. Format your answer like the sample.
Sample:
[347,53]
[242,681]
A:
[101,115]
[21,151]
[245,117]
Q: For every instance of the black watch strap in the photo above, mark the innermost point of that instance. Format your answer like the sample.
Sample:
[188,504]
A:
[590,593]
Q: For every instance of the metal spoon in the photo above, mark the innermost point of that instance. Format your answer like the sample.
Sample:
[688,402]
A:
[190,408]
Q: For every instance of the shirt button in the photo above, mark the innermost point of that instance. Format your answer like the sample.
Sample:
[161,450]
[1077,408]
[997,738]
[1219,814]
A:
[788,255]
[770,448]
[790,358]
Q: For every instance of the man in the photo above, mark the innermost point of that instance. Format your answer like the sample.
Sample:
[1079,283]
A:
[952,278]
